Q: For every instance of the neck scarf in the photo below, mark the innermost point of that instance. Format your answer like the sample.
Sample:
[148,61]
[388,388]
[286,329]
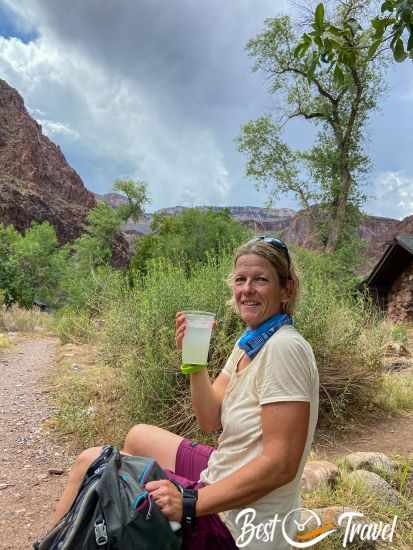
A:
[253,340]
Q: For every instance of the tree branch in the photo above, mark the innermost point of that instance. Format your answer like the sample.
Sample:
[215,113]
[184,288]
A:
[320,88]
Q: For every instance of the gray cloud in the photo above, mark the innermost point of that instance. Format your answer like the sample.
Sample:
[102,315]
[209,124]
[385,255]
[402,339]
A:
[159,90]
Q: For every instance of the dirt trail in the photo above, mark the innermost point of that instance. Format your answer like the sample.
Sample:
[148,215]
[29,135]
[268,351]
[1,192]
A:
[391,436]
[28,490]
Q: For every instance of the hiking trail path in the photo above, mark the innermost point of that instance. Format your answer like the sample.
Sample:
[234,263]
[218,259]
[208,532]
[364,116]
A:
[34,465]
[31,461]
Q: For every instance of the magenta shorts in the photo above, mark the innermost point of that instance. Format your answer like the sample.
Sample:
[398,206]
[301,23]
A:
[210,532]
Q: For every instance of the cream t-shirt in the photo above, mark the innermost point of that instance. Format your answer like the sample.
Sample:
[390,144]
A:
[283,370]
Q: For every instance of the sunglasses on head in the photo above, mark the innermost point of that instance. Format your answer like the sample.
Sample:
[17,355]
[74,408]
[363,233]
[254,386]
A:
[278,244]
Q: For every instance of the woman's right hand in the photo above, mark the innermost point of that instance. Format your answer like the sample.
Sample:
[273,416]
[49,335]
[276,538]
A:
[180,326]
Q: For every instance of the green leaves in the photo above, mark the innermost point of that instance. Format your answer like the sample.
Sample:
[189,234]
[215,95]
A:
[303,46]
[338,45]
[319,17]
[373,48]
[397,25]
[398,51]
[387,6]
[136,193]
[410,42]
[188,237]
[330,44]
[338,75]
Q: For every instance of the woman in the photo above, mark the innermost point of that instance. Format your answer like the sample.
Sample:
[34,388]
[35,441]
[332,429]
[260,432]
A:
[265,400]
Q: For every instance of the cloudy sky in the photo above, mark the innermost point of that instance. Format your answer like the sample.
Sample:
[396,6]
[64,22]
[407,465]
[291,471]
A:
[158,90]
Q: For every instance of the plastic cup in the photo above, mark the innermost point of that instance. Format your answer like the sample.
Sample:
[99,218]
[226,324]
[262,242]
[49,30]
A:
[195,344]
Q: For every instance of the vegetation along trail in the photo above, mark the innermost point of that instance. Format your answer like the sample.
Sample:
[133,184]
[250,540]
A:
[32,466]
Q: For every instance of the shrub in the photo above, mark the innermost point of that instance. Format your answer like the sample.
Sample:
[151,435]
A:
[347,337]
[139,331]
[137,314]
[74,325]
[18,319]
[189,237]
[399,334]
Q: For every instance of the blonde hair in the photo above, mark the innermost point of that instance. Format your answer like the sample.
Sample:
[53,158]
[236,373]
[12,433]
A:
[279,261]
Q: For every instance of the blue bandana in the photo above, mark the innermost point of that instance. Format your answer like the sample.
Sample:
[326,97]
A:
[253,340]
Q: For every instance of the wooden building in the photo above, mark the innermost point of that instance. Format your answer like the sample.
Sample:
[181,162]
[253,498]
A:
[391,281]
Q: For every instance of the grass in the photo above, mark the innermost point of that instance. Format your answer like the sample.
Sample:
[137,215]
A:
[396,393]
[354,495]
[87,395]
[4,341]
[18,319]
[74,325]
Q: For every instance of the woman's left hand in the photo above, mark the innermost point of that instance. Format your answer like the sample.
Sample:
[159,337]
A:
[167,497]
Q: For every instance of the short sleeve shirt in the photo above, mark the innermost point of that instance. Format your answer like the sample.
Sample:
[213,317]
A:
[283,370]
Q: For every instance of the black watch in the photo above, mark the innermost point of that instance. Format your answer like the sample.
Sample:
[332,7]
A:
[189,498]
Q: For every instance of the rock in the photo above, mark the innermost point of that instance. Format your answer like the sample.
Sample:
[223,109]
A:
[55,471]
[396,348]
[36,182]
[376,484]
[5,486]
[373,462]
[318,473]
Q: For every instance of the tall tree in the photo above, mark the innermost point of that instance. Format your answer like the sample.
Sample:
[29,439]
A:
[338,100]
[103,222]
[137,195]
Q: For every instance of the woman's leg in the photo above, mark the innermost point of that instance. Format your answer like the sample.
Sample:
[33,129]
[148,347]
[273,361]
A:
[147,440]
[76,475]
[142,440]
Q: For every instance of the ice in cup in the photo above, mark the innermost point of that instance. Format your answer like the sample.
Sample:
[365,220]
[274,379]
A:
[195,344]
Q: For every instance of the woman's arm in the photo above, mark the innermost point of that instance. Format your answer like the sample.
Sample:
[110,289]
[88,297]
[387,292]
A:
[207,399]
[206,396]
[285,426]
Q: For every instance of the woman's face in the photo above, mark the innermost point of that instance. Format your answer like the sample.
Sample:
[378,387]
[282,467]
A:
[257,289]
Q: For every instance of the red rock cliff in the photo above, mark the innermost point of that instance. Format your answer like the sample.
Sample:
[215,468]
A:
[36,182]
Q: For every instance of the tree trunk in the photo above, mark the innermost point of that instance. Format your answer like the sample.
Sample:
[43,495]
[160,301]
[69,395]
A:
[339,217]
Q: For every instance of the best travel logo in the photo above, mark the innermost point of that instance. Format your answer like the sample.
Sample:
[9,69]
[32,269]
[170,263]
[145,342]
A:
[311,530]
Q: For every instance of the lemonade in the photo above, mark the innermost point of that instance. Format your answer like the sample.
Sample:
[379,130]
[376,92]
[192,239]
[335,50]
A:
[195,344]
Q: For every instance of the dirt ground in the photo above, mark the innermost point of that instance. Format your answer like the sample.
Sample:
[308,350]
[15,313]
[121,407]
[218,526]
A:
[34,466]
[28,486]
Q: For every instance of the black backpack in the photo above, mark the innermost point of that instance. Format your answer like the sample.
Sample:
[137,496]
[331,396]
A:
[112,510]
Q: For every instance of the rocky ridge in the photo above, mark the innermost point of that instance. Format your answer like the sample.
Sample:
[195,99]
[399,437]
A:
[37,184]
[36,181]
[294,227]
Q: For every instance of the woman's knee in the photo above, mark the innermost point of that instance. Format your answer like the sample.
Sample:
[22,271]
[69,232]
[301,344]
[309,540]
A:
[136,438]
[83,461]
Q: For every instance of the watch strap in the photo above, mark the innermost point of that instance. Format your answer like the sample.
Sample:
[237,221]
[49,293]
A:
[189,499]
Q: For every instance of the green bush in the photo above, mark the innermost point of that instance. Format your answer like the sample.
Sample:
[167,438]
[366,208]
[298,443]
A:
[74,325]
[346,334]
[137,317]
[139,332]
[189,237]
